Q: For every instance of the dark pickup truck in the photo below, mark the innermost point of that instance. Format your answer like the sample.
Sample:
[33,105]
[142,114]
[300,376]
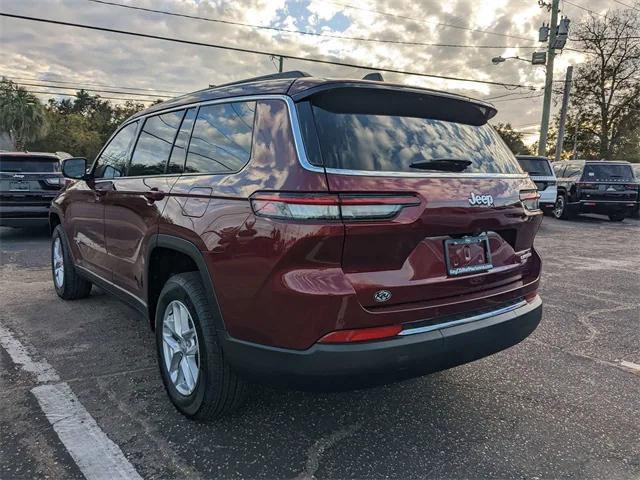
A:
[29,181]
[595,186]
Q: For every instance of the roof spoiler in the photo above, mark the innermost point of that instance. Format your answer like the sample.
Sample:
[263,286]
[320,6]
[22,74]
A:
[376,76]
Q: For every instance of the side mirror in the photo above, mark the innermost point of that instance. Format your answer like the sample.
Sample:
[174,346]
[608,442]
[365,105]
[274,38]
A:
[75,168]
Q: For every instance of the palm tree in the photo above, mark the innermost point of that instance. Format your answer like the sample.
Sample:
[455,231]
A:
[21,115]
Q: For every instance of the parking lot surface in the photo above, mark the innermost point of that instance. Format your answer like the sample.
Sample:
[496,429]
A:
[562,404]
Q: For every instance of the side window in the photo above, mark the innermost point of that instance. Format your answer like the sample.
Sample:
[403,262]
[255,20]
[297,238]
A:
[154,144]
[221,139]
[113,160]
[179,152]
[573,171]
[558,168]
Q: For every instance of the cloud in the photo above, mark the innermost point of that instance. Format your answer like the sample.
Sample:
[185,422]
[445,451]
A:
[54,52]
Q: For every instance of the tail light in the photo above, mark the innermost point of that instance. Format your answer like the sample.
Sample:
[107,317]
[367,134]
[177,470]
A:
[361,334]
[319,206]
[631,186]
[530,199]
[586,185]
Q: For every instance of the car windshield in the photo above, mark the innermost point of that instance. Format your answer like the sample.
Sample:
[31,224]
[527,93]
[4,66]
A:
[607,171]
[536,166]
[385,132]
[26,164]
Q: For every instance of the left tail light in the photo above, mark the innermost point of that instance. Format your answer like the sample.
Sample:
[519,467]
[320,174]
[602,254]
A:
[348,207]
[530,200]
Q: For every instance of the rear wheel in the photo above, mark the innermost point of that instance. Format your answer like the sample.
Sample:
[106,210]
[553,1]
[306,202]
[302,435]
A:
[561,209]
[616,217]
[68,284]
[195,373]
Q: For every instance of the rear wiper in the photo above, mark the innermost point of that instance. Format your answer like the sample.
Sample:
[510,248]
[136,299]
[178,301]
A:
[442,164]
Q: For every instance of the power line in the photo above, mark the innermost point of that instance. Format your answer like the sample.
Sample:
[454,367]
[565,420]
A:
[519,98]
[262,52]
[302,32]
[36,79]
[439,24]
[141,100]
[626,5]
[583,8]
[91,90]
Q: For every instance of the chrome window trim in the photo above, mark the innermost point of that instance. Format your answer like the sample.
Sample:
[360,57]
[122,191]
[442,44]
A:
[462,321]
[299,143]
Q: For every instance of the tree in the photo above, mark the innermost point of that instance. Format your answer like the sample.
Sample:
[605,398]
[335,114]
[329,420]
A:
[605,104]
[21,115]
[512,138]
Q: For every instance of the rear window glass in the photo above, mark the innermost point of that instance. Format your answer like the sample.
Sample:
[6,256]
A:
[607,171]
[390,132]
[537,167]
[28,164]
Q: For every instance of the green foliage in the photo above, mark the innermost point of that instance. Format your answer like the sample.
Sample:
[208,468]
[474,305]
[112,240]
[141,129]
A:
[21,115]
[82,125]
[512,138]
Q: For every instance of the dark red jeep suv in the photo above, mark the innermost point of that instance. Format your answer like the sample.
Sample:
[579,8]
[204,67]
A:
[307,232]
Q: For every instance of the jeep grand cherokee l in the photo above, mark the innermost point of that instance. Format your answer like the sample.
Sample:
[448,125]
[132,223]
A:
[29,181]
[595,186]
[307,232]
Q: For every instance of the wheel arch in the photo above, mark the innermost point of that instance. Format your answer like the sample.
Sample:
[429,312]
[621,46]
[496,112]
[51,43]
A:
[189,258]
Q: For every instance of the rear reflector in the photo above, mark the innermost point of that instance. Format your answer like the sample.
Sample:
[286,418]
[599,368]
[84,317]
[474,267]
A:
[632,186]
[530,297]
[361,334]
[329,207]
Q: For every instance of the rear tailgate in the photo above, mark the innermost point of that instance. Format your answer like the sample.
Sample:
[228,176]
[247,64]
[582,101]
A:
[466,184]
[608,182]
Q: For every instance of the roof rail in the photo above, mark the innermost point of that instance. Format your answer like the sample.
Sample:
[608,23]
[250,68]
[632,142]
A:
[273,76]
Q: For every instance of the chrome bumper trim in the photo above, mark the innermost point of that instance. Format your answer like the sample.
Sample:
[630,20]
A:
[474,318]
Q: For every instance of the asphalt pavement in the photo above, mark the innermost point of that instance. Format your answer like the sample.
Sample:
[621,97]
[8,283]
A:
[565,403]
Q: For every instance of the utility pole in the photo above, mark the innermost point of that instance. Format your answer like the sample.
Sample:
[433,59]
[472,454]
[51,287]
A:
[280,63]
[548,84]
[563,112]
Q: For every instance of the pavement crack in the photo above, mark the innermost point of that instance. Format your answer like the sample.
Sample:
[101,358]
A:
[314,454]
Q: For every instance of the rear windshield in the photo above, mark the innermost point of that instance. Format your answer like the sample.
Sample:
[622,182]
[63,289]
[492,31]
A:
[537,167]
[385,134]
[25,164]
[607,171]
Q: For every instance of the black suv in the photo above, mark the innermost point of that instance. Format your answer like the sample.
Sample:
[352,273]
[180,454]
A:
[29,181]
[595,186]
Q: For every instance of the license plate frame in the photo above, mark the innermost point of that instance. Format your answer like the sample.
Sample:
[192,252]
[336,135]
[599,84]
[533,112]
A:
[19,186]
[454,268]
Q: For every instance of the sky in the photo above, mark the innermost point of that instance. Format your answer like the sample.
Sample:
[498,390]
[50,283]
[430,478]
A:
[33,52]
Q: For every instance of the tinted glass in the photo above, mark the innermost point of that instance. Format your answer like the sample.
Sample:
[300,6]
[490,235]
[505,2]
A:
[221,139]
[391,143]
[537,167]
[27,164]
[179,152]
[573,170]
[154,145]
[113,160]
[607,171]
[559,169]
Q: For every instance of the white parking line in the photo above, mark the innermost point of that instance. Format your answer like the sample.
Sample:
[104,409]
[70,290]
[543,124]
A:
[97,457]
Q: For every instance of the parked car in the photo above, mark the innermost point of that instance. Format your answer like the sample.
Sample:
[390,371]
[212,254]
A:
[595,186]
[28,183]
[306,232]
[540,171]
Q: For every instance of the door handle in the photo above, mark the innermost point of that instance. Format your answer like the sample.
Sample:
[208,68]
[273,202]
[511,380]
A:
[154,194]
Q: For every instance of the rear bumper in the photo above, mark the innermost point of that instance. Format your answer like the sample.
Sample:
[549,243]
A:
[360,364]
[548,197]
[23,215]
[604,206]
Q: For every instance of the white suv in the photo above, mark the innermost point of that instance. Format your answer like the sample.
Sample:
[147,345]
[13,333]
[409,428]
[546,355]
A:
[540,171]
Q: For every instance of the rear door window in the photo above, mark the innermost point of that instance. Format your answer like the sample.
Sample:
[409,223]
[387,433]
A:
[112,162]
[28,164]
[221,138]
[607,171]
[390,131]
[152,151]
[536,167]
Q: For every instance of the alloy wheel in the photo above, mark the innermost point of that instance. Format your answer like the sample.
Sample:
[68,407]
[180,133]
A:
[559,207]
[58,263]
[181,351]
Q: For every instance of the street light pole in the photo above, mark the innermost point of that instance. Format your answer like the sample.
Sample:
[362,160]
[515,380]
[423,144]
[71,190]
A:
[548,84]
[563,112]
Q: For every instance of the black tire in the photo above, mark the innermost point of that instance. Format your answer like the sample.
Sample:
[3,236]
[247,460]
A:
[617,217]
[73,285]
[561,209]
[218,389]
